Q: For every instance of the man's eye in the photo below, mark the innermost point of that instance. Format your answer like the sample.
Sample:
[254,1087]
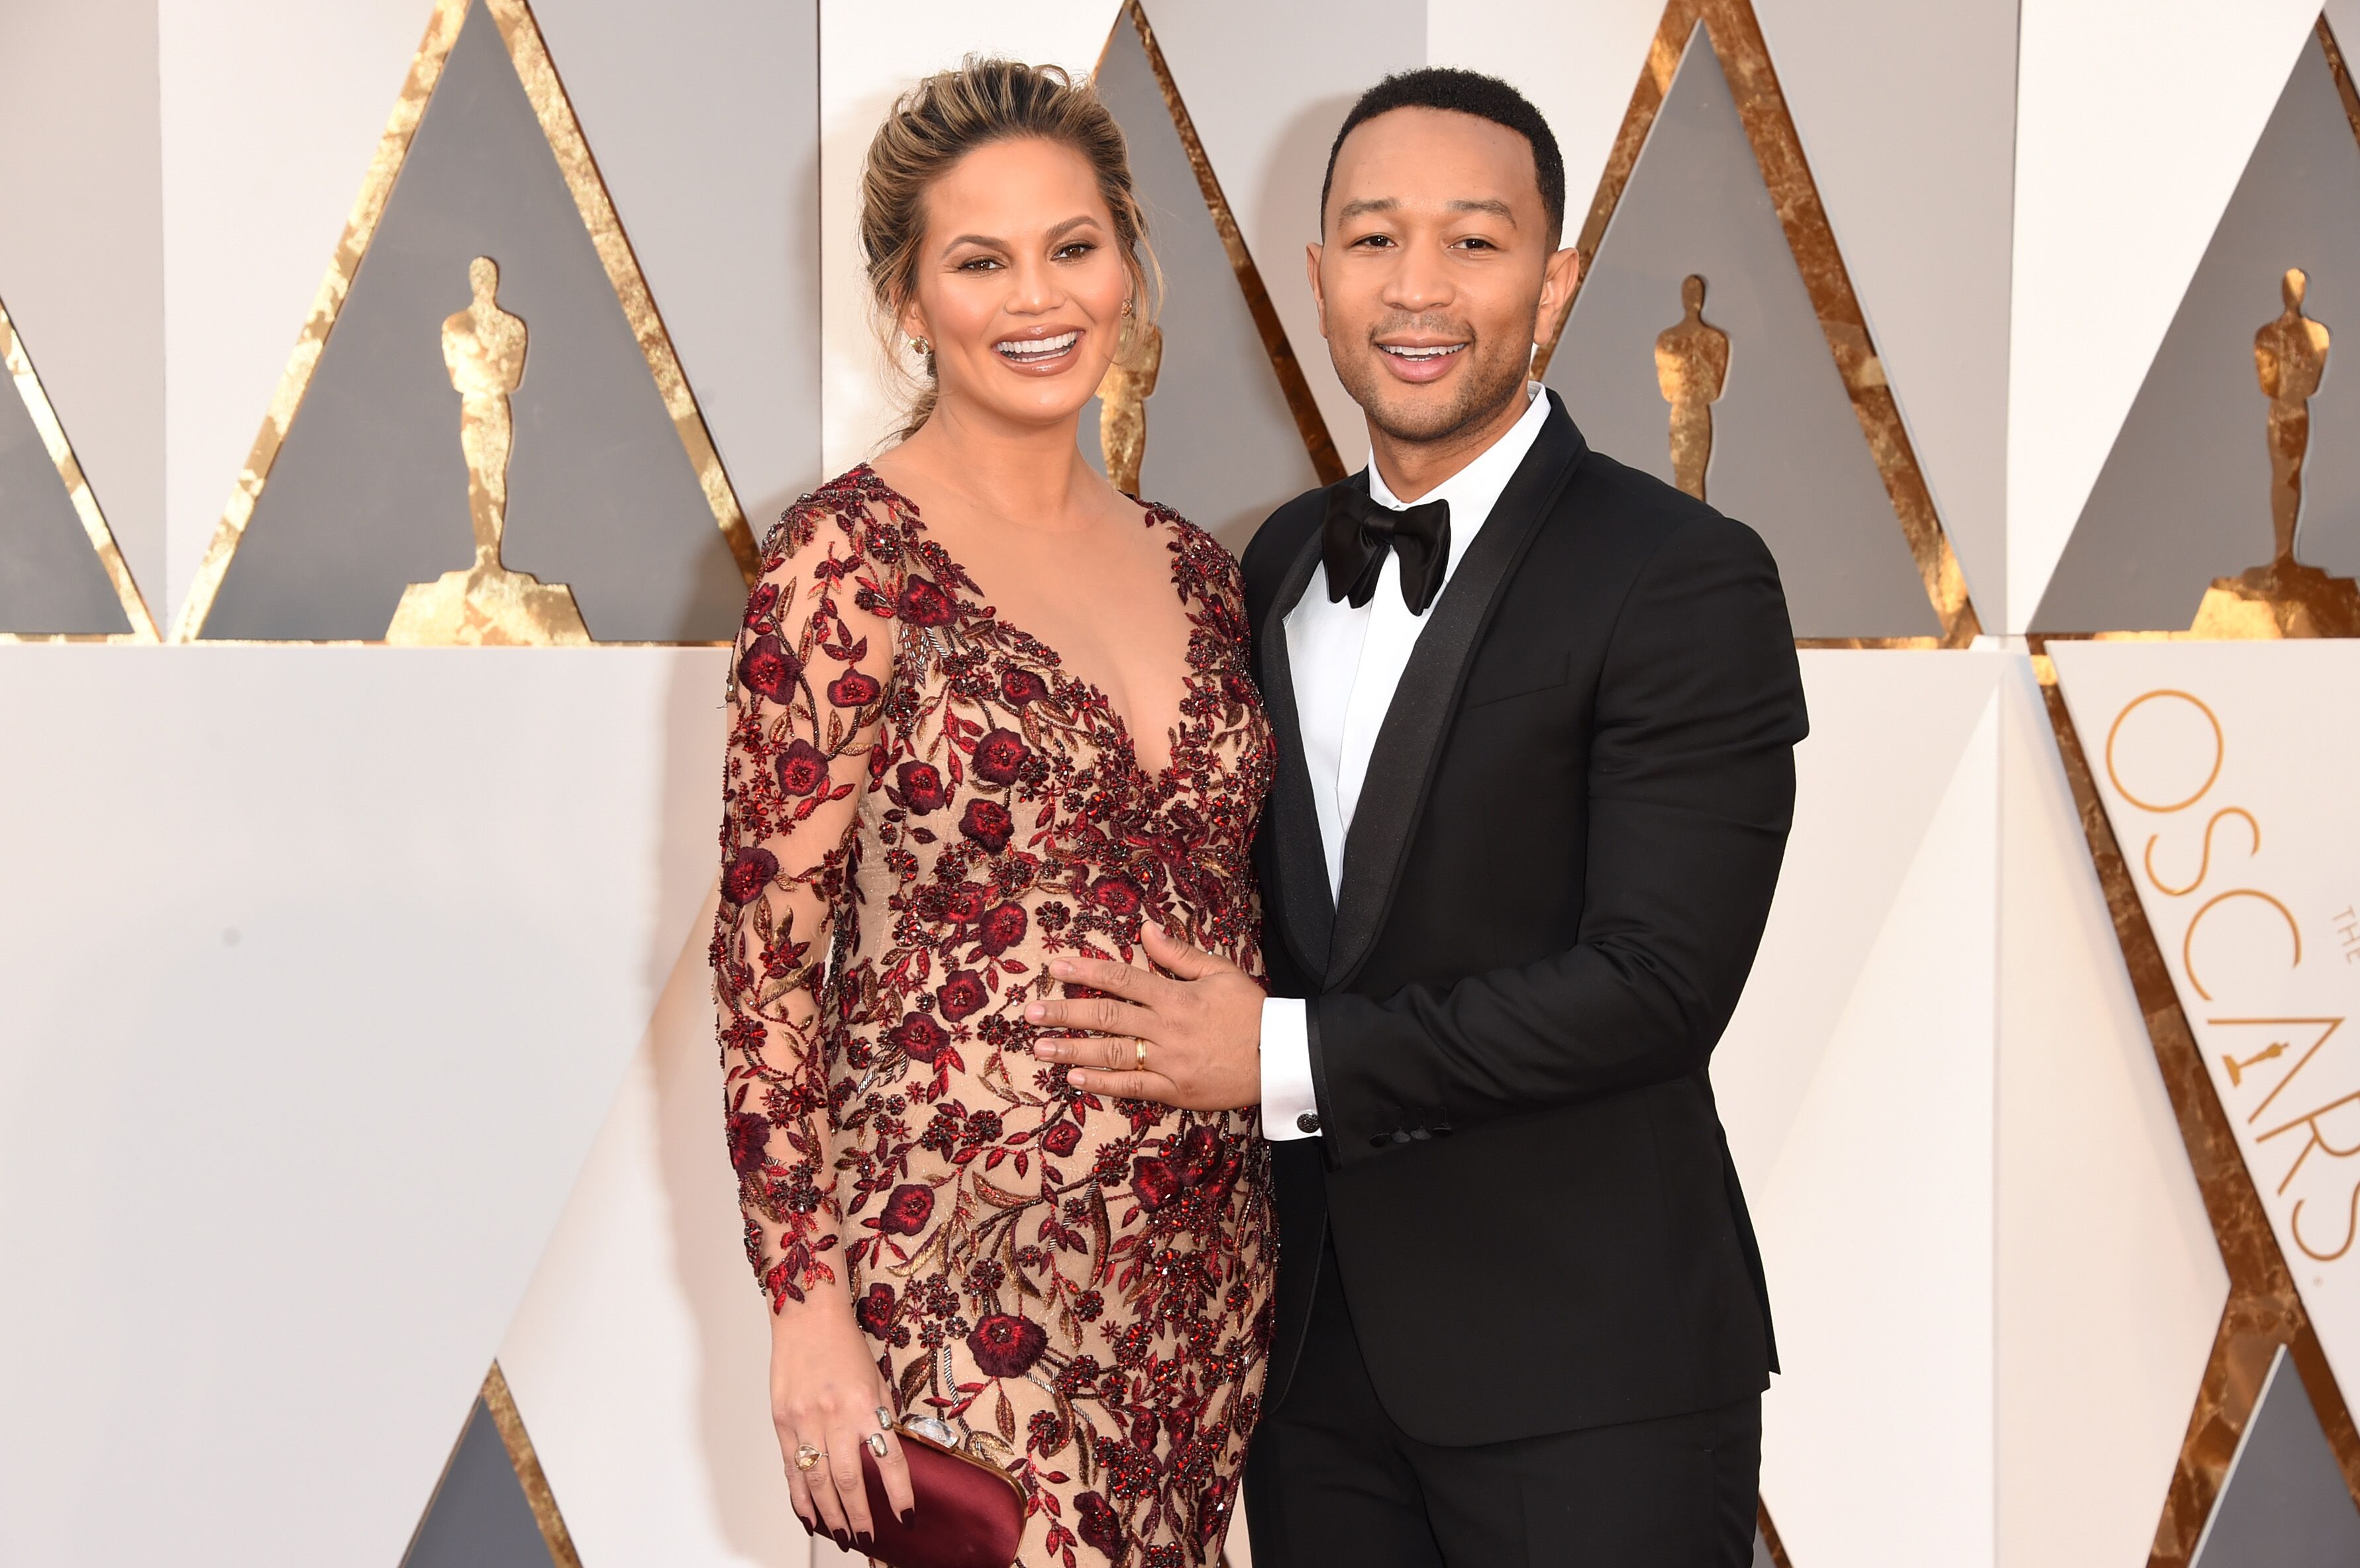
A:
[1473,243]
[1374,241]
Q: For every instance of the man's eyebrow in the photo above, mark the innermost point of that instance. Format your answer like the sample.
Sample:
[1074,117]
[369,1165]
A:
[1366,205]
[1490,204]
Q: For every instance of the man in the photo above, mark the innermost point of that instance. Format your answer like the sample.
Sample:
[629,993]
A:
[1536,713]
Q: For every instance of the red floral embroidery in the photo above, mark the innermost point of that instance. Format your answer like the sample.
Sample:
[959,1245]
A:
[923,807]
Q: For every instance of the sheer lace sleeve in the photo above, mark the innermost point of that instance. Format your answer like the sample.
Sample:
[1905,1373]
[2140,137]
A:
[806,698]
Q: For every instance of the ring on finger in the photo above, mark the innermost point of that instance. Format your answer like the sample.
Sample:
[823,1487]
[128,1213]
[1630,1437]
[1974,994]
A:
[875,1444]
[808,1457]
[1139,1063]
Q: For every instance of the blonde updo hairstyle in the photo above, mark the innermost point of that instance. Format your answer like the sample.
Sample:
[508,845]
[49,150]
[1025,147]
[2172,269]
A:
[939,122]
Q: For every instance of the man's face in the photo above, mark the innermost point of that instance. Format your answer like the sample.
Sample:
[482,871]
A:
[1435,269]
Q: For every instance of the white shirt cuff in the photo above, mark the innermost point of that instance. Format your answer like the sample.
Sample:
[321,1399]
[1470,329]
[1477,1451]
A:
[1290,1110]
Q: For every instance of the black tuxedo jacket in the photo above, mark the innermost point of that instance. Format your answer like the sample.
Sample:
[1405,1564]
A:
[1554,881]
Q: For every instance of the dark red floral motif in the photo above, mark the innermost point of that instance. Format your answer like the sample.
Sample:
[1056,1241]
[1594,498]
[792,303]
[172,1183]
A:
[1118,895]
[854,688]
[770,668]
[748,872]
[963,905]
[924,603]
[1019,686]
[907,1210]
[1099,1525]
[1200,1155]
[1061,1139]
[988,824]
[750,1137]
[921,787]
[803,768]
[761,603]
[1153,1181]
[920,1038]
[1006,1346]
[875,1310]
[962,995]
[1002,929]
[1000,757]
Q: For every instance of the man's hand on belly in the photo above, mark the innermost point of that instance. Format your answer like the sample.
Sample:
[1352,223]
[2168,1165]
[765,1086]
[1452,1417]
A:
[1201,1033]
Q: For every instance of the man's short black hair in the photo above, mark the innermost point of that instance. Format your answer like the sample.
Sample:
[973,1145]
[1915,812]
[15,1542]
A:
[1461,93]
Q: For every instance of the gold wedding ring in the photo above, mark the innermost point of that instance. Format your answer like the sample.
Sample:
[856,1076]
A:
[807,1458]
[1140,1065]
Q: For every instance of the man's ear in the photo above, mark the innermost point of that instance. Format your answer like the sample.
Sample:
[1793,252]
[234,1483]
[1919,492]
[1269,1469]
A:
[1558,276]
[1311,269]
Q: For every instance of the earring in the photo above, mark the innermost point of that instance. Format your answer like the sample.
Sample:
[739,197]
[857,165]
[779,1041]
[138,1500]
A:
[920,346]
[1126,306]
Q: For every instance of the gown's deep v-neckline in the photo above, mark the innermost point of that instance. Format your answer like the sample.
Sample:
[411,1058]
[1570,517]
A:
[1094,696]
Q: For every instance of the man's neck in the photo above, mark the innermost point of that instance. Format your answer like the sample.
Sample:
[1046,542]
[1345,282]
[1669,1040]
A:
[1413,470]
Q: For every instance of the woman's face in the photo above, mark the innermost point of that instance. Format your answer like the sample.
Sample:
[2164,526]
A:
[1019,283]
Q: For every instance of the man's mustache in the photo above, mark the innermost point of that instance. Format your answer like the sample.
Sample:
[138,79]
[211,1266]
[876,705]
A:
[1436,326]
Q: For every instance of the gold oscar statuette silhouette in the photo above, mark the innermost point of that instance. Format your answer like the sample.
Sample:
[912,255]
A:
[1122,404]
[1691,368]
[486,604]
[2285,598]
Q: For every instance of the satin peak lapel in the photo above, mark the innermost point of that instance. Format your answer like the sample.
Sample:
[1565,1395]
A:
[1408,746]
[1306,909]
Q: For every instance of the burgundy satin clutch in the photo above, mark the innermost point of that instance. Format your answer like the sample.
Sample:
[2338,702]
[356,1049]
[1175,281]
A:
[970,1512]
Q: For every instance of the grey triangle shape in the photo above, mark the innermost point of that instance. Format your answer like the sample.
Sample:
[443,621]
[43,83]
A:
[1223,448]
[1762,1558]
[51,581]
[1788,456]
[2184,496]
[2283,1503]
[479,1516]
[369,490]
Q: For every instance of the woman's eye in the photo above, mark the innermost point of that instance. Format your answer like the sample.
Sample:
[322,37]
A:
[979,263]
[1078,249]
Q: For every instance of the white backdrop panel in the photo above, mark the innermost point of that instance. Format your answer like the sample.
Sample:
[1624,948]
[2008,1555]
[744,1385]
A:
[1876,1227]
[2110,1286]
[323,967]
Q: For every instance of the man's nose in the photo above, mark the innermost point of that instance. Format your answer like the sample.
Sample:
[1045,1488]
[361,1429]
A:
[1418,281]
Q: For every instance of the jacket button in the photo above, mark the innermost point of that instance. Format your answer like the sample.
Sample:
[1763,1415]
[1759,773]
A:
[1308,1122]
[1380,1140]
[1421,1134]
[1401,1136]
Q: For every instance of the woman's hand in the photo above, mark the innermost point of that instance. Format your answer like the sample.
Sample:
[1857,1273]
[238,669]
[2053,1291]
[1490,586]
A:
[826,1392]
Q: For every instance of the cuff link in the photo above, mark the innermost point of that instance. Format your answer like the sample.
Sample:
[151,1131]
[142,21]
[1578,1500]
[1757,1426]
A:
[1308,1123]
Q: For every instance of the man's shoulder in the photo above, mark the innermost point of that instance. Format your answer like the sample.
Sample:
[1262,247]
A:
[1282,534]
[1647,513]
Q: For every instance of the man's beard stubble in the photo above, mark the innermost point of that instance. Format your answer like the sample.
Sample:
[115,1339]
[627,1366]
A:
[1493,377]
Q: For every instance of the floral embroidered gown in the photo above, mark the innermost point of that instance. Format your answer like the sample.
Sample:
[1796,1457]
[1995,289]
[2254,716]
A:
[922,807]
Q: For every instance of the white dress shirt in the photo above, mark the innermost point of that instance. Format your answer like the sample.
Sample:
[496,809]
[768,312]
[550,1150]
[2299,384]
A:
[1346,664]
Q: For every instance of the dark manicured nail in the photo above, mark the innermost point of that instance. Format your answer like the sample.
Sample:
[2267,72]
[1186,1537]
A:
[909,1516]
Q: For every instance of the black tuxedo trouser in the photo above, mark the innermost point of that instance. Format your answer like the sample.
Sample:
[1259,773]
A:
[1332,1481]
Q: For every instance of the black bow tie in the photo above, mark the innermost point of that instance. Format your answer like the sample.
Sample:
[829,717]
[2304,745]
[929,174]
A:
[1358,533]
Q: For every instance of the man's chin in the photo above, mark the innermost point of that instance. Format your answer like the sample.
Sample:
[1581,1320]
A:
[1432,415]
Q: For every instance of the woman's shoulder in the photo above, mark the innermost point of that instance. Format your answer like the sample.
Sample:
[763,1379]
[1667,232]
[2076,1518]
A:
[1204,558]
[855,505]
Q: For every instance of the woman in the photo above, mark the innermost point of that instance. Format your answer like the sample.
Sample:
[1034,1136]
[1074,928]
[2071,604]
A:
[988,712]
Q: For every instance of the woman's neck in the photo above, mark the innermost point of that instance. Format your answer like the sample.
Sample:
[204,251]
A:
[1027,476]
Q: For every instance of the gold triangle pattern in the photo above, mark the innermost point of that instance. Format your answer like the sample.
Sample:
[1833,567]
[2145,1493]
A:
[1308,420]
[78,491]
[529,54]
[1735,36]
